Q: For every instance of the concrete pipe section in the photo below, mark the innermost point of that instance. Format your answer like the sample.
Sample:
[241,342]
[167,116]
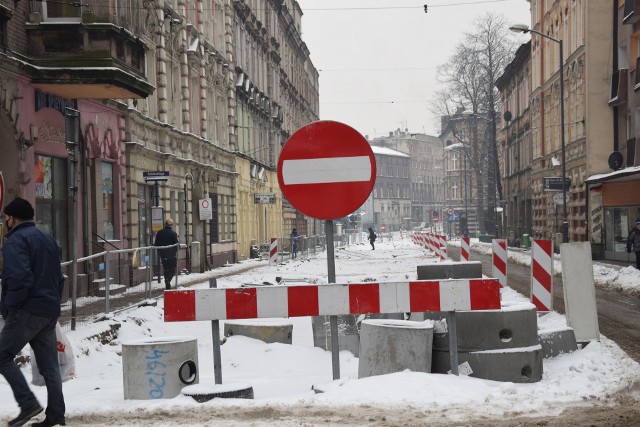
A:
[158,368]
[511,327]
[499,345]
[388,346]
[267,330]
[518,365]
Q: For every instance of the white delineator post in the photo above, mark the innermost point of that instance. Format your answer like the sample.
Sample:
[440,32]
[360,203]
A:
[273,252]
[500,260]
[542,275]
[465,248]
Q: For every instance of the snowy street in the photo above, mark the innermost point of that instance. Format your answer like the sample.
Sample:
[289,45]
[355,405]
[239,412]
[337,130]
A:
[600,380]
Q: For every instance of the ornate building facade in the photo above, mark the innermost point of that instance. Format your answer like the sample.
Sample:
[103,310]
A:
[585,28]
[515,143]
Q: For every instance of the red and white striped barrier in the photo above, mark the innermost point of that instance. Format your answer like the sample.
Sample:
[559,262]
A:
[432,244]
[465,248]
[332,299]
[500,260]
[442,246]
[273,252]
[542,274]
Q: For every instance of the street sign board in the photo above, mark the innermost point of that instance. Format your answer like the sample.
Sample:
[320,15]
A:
[558,198]
[326,170]
[265,198]
[454,217]
[155,176]
[554,183]
[205,209]
[157,218]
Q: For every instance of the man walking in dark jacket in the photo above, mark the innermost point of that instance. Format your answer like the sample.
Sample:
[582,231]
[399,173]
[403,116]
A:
[169,256]
[32,283]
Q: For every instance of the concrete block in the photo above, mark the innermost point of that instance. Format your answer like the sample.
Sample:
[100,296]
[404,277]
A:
[523,365]
[556,342]
[450,270]
[158,368]
[267,330]
[513,327]
[388,346]
[348,335]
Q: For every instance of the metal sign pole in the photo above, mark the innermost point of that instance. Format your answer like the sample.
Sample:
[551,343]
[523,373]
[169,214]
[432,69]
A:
[72,132]
[333,320]
[453,341]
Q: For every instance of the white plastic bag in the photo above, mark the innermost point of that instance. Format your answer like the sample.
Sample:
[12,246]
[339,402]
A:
[65,359]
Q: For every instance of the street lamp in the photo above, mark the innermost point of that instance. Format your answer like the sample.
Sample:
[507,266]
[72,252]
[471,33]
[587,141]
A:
[565,223]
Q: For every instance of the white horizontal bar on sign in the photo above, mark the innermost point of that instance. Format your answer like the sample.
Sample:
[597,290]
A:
[326,170]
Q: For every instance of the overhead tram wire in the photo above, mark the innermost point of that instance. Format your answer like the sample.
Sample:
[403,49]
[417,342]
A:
[419,7]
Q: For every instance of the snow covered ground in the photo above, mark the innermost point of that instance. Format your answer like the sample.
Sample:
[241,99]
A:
[282,376]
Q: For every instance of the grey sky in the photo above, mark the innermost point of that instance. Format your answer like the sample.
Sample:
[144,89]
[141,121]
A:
[377,58]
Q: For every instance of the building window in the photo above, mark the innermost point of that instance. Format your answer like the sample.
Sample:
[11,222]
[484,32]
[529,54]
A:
[63,11]
[145,201]
[5,15]
[51,198]
[107,213]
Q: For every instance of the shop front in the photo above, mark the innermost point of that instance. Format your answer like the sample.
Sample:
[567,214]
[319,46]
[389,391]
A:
[614,206]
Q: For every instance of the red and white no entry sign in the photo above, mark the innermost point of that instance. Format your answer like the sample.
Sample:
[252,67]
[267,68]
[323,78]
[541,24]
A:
[326,170]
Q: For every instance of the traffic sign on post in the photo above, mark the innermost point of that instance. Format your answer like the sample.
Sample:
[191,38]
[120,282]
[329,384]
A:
[326,170]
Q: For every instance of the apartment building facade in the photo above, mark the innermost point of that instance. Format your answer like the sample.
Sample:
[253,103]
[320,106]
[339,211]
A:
[156,86]
[613,197]
[585,27]
[514,141]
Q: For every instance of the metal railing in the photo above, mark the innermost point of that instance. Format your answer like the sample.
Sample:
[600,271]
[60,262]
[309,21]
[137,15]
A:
[98,294]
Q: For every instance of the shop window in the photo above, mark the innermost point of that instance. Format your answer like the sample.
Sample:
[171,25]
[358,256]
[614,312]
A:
[102,201]
[618,223]
[51,199]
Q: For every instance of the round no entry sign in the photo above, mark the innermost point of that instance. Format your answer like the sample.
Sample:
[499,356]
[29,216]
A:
[326,170]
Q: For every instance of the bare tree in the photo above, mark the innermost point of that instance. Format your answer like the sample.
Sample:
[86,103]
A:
[468,78]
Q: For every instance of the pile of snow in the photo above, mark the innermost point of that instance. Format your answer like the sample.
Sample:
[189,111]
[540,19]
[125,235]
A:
[282,376]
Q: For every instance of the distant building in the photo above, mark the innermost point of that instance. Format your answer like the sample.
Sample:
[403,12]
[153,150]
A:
[388,208]
[426,173]
[466,143]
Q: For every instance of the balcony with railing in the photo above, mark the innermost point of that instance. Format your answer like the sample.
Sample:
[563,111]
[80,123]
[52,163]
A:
[619,87]
[89,49]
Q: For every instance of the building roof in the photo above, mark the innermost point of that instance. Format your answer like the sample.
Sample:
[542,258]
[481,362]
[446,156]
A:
[387,151]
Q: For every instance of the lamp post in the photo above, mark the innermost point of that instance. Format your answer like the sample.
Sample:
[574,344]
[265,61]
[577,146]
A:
[565,223]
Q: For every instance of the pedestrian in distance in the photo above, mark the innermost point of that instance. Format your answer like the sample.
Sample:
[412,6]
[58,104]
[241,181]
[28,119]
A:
[168,256]
[372,238]
[32,284]
[294,242]
[633,242]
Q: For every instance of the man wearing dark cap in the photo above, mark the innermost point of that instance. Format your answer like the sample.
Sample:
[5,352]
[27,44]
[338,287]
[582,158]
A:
[169,256]
[32,284]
